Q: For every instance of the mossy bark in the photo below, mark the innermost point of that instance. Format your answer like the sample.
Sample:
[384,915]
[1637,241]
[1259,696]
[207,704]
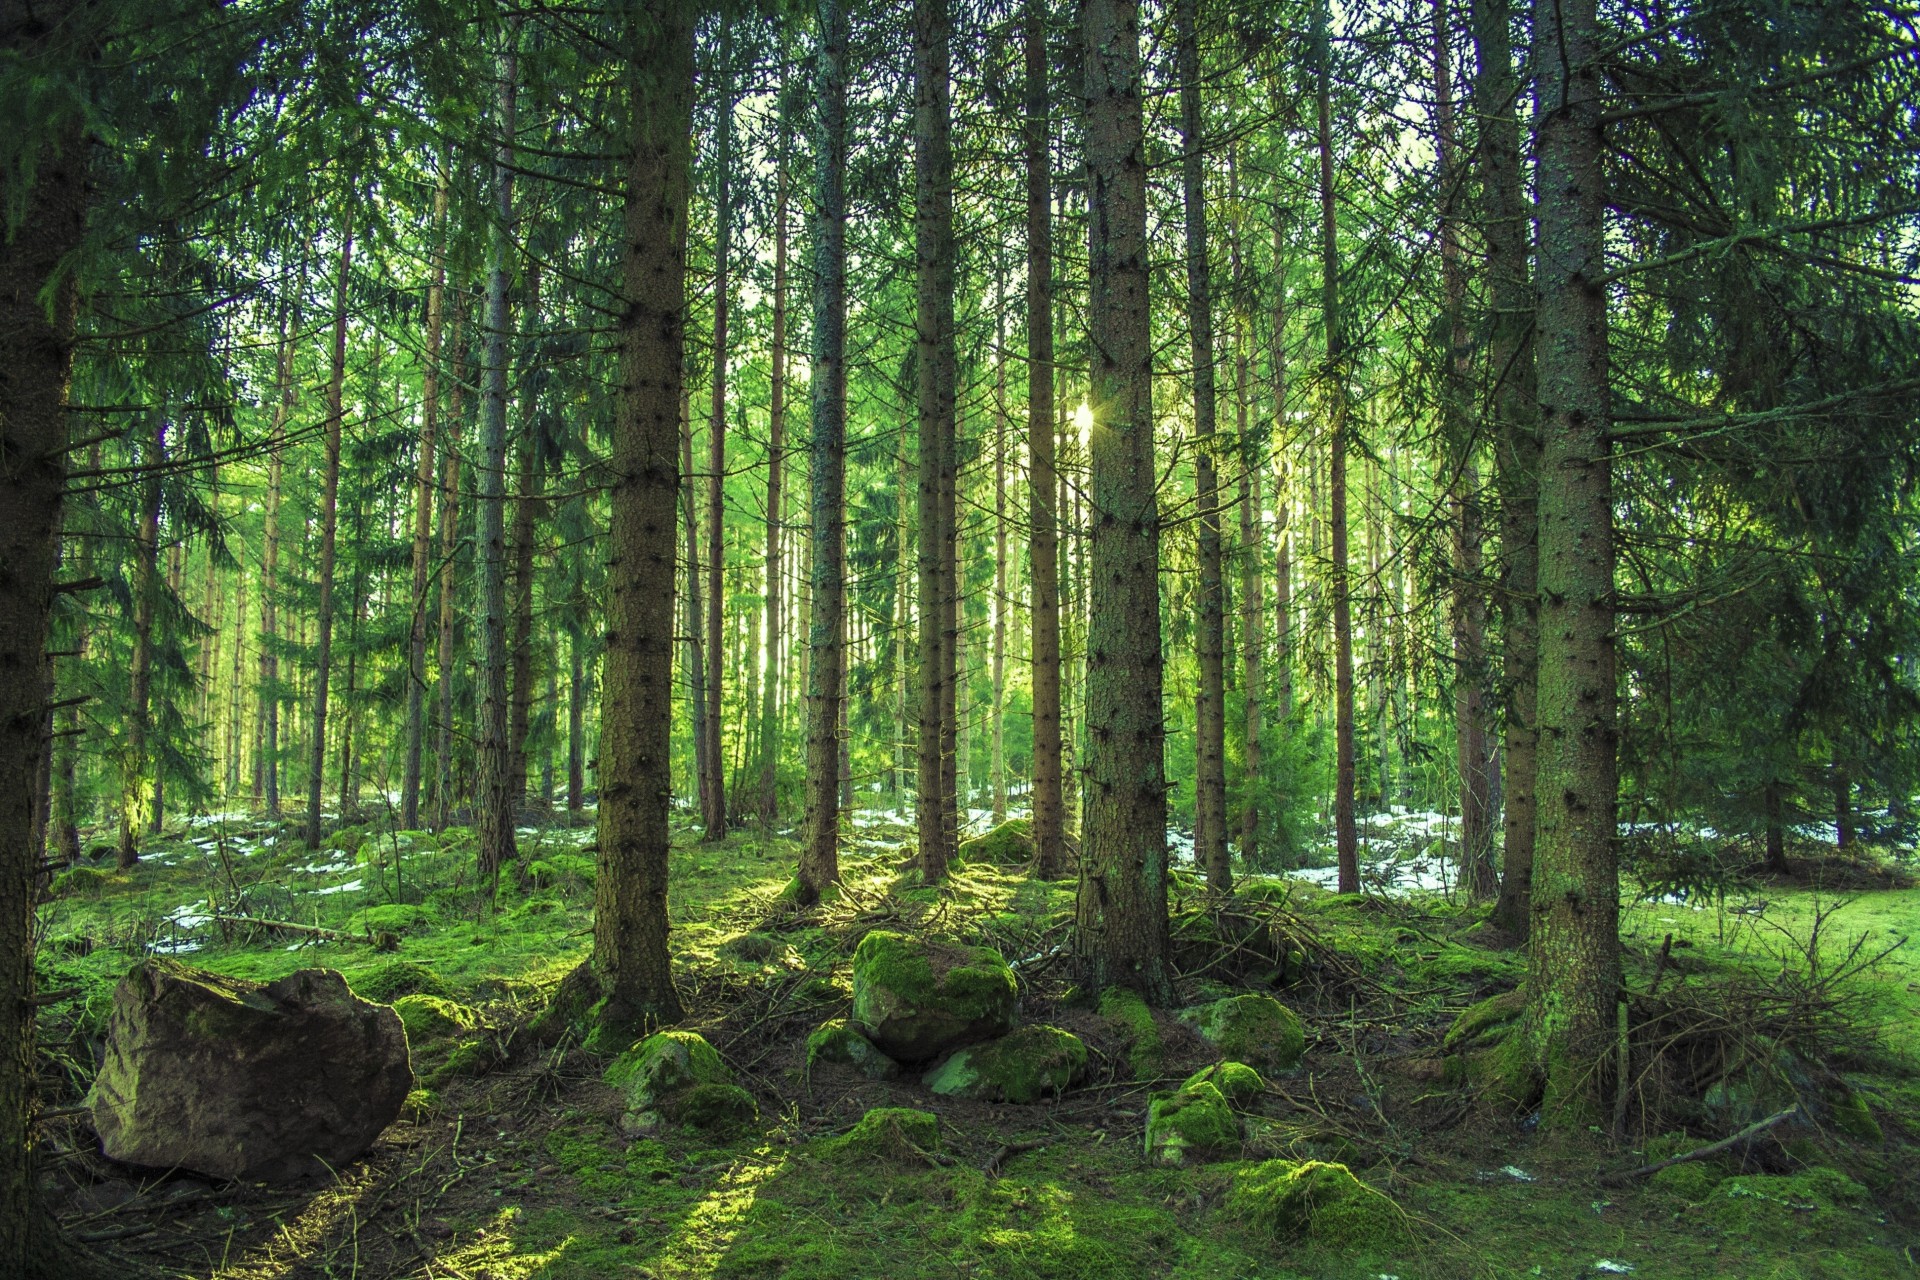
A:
[1121,910]
[630,956]
[1574,957]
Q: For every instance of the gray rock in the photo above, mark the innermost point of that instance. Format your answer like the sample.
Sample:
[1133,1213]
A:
[235,1079]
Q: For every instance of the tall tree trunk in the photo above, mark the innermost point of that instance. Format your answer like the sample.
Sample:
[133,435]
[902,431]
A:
[1504,226]
[694,662]
[66,788]
[630,959]
[493,766]
[767,800]
[905,708]
[1469,604]
[145,586]
[1774,797]
[998,656]
[527,509]
[1043,482]
[423,503]
[934,361]
[329,529]
[576,721]
[268,763]
[1842,807]
[827,384]
[1346,836]
[1573,961]
[449,582]
[1283,630]
[36,350]
[1253,605]
[1210,697]
[714,793]
[1121,908]
[234,714]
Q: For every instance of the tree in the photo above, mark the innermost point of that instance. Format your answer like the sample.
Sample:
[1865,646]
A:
[423,504]
[1121,906]
[713,790]
[329,535]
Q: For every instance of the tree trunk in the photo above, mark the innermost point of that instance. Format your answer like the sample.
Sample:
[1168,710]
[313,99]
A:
[1283,628]
[630,956]
[767,803]
[1210,696]
[493,766]
[1504,225]
[449,544]
[1775,800]
[1574,957]
[1043,482]
[1121,908]
[997,658]
[714,793]
[528,505]
[267,764]
[329,522]
[1253,605]
[423,502]
[694,662]
[1842,808]
[576,722]
[37,350]
[827,384]
[145,586]
[1469,604]
[1346,836]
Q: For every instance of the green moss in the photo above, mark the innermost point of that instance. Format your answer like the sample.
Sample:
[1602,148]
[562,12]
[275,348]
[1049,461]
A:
[1195,1123]
[395,979]
[914,999]
[837,1042]
[80,882]
[1009,844]
[1236,1081]
[560,871]
[1252,1028]
[1853,1117]
[1483,1023]
[467,1058]
[1815,1205]
[392,917]
[1025,1065]
[725,1107]
[431,1018]
[1144,1053]
[1316,1200]
[663,1066]
[1692,1181]
[900,1134]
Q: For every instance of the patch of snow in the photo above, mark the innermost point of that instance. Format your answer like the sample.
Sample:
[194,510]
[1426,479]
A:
[348,887]
[1608,1266]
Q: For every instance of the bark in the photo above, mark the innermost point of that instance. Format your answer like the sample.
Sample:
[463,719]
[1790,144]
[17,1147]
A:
[449,544]
[1469,605]
[493,765]
[528,507]
[934,366]
[1253,605]
[1283,633]
[1504,225]
[38,355]
[1774,797]
[329,529]
[630,956]
[694,661]
[423,502]
[1574,956]
[713,793]
[1043,536]
[267,764]
[767,802]
[1121,907]
[576,721]
[998,656]
[1842,808]
[145,587]
[1346,836]
[820,854]
[1210,695]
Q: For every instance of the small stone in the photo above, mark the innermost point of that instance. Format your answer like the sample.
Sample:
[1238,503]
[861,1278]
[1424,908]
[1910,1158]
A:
[664,1064]
[1251,1028]
[836,1042]
[1236,1081]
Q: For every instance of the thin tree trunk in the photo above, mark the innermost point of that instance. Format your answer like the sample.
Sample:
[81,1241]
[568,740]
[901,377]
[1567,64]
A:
[630,957]
[1253,605]
[576,722]
[528,506]
[1284,634]
[1043,527]
[714,793]
[1210,700]
[145,586]
[1774,797]
[268,765]
[493,766]
[235,738]
[1346,836]
[1121,908]
[1842,808]
[449,544]
[1504,225]
[1573,960]
[934,371]
[423,503]
[329,522]
[694,662]
[827,384]
[767,802]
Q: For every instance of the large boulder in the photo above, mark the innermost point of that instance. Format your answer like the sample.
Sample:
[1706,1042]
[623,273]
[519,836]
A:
[916,1000]
[235,1079]
[677,1075]
[1254,1029]
[1025,1065]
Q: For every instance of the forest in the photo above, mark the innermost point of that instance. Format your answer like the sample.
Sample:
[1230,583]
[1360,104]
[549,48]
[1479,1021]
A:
[959,638]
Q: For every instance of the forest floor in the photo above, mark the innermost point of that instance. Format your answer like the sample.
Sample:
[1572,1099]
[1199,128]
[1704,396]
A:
[522,1169]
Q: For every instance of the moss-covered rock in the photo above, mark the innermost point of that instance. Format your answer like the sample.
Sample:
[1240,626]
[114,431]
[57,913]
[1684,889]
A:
[1486,1051]
[1008,845]
[391,917]
[1251,1028]
[1237,1082]
[391,981]
[917,1000]
[718,1107]
[560,870]
[837,1042]
[1193,1124]
[1692,1181]
[445,1039]
[433,1018]
[1025,1065]
[1853,1117]
[899,1134]
[1316,1200]
[656,1073]
[1482,1024]
[1125,1007]
[80,882]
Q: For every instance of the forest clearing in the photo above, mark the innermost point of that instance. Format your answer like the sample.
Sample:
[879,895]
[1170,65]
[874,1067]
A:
[959,638]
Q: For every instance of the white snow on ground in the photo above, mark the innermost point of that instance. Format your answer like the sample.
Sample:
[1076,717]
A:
[348,887]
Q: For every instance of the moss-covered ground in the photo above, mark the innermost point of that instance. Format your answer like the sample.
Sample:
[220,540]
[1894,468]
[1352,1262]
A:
[519,1166]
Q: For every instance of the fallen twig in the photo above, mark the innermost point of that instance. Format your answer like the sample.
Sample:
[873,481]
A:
[1711,1149]
[1005,1152]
